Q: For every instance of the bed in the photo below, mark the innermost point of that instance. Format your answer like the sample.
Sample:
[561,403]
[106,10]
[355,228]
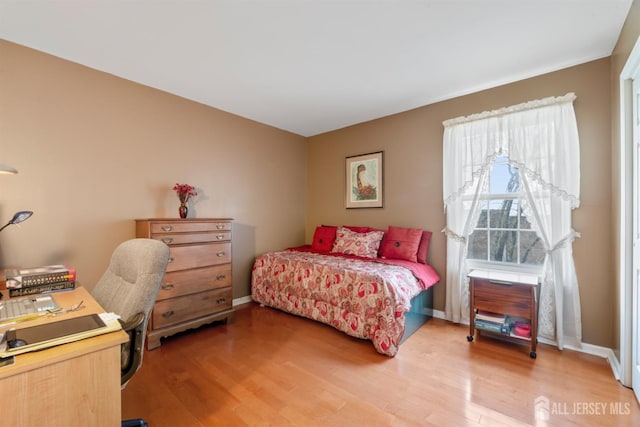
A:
[368,283]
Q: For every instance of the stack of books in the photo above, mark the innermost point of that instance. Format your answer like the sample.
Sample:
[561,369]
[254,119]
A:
[38,280]
[491,322]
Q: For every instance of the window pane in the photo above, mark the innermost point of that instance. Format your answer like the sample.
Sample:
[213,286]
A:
[504,246]
[504,178]
[503,213]
[482,219]
[477,248]
[531,249]
[524,221]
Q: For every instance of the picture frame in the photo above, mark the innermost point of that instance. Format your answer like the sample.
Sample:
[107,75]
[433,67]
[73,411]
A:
[364,184]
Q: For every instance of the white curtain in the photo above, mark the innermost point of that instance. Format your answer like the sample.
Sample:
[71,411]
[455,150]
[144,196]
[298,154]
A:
[541,139]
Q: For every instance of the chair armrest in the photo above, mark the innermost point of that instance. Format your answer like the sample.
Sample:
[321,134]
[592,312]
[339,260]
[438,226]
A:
[133,322]
[132,350]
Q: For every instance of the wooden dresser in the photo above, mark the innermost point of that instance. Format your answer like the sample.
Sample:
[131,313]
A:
[197,288]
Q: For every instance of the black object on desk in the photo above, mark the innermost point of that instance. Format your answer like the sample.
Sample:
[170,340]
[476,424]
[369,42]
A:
[6,361]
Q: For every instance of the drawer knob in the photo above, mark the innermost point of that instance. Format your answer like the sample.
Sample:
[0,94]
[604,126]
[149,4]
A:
[167,287]
[167,227]
[168,313]
[171,259]
[220,236]
[221,254]
[221,300]
[220,227]
[221,276]
[167,240]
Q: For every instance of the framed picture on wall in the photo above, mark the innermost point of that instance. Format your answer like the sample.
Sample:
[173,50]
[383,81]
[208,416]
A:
[364,181]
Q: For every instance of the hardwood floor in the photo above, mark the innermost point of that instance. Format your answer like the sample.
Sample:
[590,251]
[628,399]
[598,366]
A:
[269,368]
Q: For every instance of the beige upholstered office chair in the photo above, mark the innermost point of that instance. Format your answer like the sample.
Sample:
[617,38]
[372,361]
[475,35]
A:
[129,288]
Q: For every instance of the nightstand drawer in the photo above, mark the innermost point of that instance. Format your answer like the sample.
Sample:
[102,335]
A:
[503,297]
[185,282]
[494,288]
[180,309]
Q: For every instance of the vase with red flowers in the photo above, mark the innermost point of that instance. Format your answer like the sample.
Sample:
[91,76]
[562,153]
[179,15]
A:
[184,192]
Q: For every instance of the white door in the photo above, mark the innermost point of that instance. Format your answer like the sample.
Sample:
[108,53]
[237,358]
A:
[635,294]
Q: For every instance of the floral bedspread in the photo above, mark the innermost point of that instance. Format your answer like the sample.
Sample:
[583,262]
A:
[363,298]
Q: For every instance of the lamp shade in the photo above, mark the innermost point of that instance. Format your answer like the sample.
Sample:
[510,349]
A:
[18,218]
[6,169]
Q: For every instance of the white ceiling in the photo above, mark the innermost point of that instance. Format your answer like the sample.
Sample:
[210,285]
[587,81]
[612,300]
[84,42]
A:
[312,66]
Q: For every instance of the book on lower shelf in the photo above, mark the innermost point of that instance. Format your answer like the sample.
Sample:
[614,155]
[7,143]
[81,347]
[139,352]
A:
[500,328]
[36,276]
[490,317]
[41,289]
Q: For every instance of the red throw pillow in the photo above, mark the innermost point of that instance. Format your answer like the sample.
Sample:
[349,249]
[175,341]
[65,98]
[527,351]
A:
[323,238]
[401,243]
[423,249]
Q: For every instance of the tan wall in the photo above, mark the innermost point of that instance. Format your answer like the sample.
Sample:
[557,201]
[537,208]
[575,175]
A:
[628,37]
[94,152]
[412,145]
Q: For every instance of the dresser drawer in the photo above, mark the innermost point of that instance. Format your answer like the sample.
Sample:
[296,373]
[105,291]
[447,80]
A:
[185,282]
[188,227]
[180,239]
[180,309]
[194,256]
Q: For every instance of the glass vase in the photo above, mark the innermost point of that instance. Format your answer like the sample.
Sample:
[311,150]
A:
[183,210]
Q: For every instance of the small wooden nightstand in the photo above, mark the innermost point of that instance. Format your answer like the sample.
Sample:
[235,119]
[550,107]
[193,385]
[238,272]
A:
[512,297]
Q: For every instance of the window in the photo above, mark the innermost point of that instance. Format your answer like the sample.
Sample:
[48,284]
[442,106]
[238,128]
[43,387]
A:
[503,234]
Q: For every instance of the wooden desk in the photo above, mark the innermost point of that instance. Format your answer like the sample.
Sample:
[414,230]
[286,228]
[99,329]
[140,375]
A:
[75,384]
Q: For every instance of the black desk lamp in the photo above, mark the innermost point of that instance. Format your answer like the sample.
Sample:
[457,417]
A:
[18,218]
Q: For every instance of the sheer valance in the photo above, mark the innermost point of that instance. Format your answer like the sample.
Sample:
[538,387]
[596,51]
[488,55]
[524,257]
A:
[540,137]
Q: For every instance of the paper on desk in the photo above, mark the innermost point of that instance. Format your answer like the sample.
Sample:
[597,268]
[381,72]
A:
[108,317]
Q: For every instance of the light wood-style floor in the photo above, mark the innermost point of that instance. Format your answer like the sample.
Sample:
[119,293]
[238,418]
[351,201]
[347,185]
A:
[269,368]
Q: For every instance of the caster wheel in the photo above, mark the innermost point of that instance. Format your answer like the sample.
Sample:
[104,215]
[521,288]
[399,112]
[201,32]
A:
[533,354]
[469,338]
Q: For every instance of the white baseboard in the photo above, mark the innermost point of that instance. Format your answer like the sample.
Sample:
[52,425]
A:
[438,314]
[242,300]
[599,351]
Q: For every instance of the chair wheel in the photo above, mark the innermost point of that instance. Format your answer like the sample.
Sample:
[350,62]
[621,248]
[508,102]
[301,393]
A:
[533,354]
[469,338]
